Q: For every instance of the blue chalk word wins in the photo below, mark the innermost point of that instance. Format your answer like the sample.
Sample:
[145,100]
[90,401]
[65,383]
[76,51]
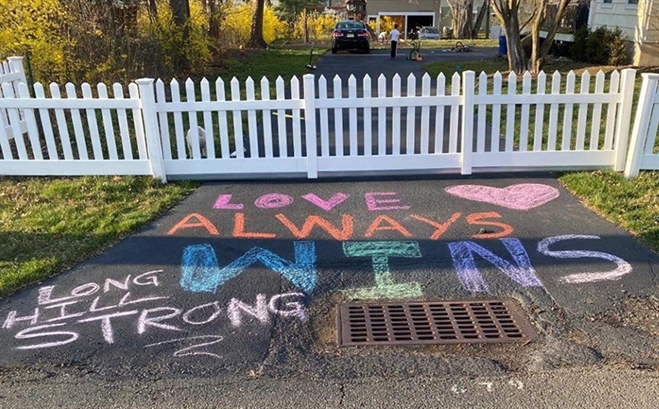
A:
[200,270]
[522,272]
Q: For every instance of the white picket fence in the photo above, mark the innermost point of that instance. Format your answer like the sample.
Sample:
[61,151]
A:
[321,128]
[118,147]
[644,144]
[12,72]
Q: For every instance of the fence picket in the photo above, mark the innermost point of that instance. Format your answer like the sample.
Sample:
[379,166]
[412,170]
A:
[252,130]
[324,119]
[14,122]
[482,113]
[31,122]
[614,85]
[396,122]
[368,131]
[62,124]
[496,114]
[311,138]
[163,118]
[108,127]
[382,119]
[568,113]
[597,113]
[425,115]
[439,115]
[225,148]
[138,123]
[297,126]
[237,121]
[78,131]
[178,121]
[524,120]
[583,112]
[267,117]
[553,112]
[281,119]
[410,117]
[539,113]
[455,112]
[92,123]
[209,128]
[46,124]
[5,148]
[510,113]
[352,115]
[193,142]
[338,117]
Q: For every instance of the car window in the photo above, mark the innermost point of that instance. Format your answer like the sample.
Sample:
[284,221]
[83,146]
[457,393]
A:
[430,30]
[349,25]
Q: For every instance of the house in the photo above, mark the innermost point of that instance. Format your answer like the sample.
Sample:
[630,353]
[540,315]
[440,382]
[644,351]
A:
[638,20]
[412,13]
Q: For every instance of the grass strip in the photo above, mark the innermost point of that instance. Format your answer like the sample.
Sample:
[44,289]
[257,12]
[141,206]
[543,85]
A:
[632,204]
[47,225]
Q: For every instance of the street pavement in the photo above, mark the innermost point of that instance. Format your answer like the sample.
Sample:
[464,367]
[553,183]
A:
[229,299]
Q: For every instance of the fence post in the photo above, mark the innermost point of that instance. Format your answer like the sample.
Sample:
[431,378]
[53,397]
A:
[16,65]
[153,144]
[641,124]
[309,90]
[468,84]
[624,117]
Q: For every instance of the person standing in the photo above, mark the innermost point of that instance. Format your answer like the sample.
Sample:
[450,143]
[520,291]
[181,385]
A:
[394,40]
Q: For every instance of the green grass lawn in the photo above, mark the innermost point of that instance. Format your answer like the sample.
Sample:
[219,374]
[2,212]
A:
[631,204]
[49,224]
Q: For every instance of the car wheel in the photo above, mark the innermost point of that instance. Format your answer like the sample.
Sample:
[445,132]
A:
[367,50]
[334,50]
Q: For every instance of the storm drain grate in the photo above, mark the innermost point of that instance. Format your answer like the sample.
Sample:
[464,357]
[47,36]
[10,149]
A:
[446,322]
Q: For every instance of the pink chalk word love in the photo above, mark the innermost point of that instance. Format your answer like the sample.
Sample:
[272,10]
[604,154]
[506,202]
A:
[523,196]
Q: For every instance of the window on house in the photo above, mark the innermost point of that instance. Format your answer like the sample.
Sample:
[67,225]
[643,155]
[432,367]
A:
[632,1]
[607,1]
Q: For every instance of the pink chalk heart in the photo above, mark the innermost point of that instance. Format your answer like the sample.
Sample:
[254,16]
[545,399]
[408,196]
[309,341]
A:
[523,196]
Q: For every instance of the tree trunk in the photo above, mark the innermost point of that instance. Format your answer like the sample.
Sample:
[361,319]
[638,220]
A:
[540,52]
[517,60]
[181,17]
[214,19]
[508,13]
[484,10]
[256,34]
[180,12]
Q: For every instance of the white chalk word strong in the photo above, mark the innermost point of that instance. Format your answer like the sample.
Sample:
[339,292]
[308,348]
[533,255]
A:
[58,315]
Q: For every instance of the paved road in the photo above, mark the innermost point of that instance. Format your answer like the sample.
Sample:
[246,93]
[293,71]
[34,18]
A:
[586,388]
[379,63]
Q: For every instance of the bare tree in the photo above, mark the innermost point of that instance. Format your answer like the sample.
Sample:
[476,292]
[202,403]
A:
[508,12]
[461,18]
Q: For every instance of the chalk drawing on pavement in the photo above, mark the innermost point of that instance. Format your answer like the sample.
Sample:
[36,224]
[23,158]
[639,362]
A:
[380,252]
[523,196]
[622,268]
[329,204]
[200,271]
[462,253]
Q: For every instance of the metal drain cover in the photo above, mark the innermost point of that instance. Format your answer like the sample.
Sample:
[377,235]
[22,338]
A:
[445,322]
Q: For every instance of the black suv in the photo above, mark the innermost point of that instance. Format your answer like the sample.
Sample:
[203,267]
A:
[351,35]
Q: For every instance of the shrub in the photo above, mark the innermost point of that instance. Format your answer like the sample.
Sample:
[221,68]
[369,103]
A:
[602,46]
